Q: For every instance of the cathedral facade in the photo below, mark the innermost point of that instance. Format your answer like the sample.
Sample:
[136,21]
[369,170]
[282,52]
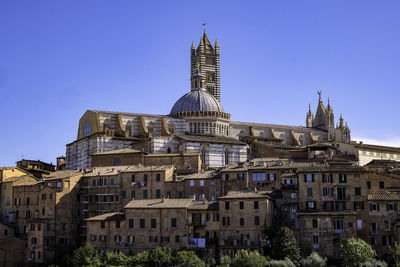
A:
[197,122]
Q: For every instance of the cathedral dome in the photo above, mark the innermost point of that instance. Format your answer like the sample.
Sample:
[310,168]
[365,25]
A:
[197,100]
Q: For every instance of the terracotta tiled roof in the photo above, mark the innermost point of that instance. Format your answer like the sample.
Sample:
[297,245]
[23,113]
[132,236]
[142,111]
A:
[166,203]
[327,213]
[384,196]
[324,168]
[199,175]
[62,174]
[203,205]
[113,170]
[106,216]
[210,139]
[241,194]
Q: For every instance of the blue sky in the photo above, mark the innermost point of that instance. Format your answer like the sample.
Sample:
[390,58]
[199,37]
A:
[60,58]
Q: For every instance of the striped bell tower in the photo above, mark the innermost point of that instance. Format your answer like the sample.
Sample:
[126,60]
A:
[206,59]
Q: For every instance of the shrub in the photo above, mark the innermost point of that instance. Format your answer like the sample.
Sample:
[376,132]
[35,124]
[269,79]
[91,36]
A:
[356,251]
[313,260]
[280,263]
[249,259]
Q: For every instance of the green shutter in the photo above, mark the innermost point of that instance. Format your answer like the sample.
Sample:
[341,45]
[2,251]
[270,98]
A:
[395,206]
[387,206]
[370,206]
[377,206]
[312,177]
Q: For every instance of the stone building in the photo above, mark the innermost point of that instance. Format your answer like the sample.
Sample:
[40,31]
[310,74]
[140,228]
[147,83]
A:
[198,123]
[143,225]
[245,218]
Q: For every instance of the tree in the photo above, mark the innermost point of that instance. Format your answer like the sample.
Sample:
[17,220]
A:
[140,260]
[115,259]
[160,257]
[281,263]
[356,251]
[284,245]
[187,258]
[393,255]
[374,263]
[313,260]
[249,259]
[86,256]
[225,261]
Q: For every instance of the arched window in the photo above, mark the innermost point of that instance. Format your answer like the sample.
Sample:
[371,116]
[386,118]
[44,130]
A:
[226,157]
[150,127]
[129,128]
[106,125]
[203,155]
[169,150]
[301,140]
[171,128]
[87,129]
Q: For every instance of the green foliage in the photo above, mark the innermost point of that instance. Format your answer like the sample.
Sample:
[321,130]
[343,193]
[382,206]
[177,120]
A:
[140,260]
[284,245]
[160,256]
[356,251]
[187,258]
[280,263]
[374,263]
[115,259]
[225,261]
[249,259]
[393,255]
[208,260]
[86,256]
[313,260]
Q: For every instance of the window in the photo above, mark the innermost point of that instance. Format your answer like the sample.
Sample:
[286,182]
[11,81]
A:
[116,162]
[240,176]
[308,178]
[201,182]
[226,157]
[255,205]
[327,191]
[310,204]
[293,195]
[131,223]
[145,193]
[358,205]
[272,176]
[315,223]
[369,185]
[241,221]
[32,227]
[86,129]
[257,220]
[158,177]
[374,228]
[357,191]
[241,205]
[28,201]
[48,226]
[227,205]
[63,226]
[374,206]
[309,192]
[315,241]
[191,182]
[92,238]
[153,223]
[342,178]
[386,240]
[133,178]
[258,176]
[338,225]
[212,181]
[173,222]
[117,224]
[340,193]
[44,196]
[327,178]
[158,193]
[117,238]
[123,194]
[145,179]
[359,224]
[381,184]
[51,196]
[180,194]
[177,239]
[133,194]
[228,220]
[142,223]
[391,207]
[226,176]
